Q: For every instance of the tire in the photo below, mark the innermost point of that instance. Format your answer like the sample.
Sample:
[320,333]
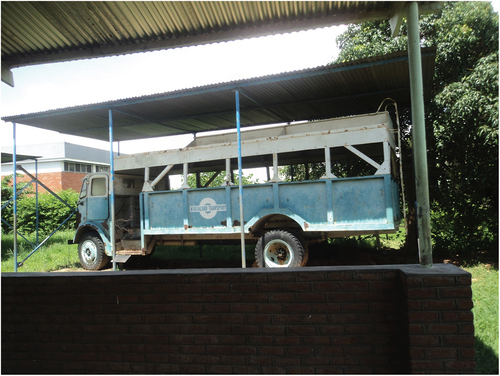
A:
[279,249]
[91,252]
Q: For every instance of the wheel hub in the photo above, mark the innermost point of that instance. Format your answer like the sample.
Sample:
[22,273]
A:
[277,254]
[89,252]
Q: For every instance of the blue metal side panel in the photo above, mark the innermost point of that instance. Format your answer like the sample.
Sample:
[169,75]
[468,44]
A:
[358,201]
[164,210]
[207,208]
[366,203]
[256,198]
[306,199]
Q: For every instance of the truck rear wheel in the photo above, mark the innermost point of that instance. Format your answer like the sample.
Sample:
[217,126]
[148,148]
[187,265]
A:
[91,252]
[279,249]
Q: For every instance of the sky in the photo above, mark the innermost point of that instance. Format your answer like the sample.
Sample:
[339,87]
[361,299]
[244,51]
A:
[58,85]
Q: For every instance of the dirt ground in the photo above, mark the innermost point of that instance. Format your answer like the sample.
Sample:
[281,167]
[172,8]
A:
[319,255]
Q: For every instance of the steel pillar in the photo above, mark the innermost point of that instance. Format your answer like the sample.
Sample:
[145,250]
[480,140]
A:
[419,141]
[112,190]
[242,222]
[14,186]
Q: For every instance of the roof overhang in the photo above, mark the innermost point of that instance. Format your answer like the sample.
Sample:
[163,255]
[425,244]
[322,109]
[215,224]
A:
[9,158]
[311,94]
[38,32]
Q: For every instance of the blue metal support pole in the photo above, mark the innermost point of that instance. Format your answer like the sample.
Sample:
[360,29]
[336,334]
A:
[112,190]
[419,140]
[242,222]
[36,200]
[14,170]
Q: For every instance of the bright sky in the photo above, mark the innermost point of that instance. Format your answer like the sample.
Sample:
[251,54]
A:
[58,85]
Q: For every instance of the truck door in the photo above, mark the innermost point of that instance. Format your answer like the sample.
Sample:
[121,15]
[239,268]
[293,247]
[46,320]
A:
[97,198]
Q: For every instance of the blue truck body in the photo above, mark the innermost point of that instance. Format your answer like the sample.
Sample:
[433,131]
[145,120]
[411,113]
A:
[291,214]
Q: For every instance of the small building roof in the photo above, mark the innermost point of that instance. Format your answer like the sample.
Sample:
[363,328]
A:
[310,94]
[61,151]
[9,158]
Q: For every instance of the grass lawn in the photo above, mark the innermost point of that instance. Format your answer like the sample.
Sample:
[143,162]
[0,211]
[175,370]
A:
[56,254]
[485,298]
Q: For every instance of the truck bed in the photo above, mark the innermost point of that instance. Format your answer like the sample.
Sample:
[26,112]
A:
[336,207]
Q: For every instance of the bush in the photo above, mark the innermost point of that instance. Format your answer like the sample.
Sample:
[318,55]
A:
[52,212]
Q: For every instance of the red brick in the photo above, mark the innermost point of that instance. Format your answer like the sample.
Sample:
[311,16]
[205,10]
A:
[341,297]
[423,316]
[340,276]
[438,281]
[297,308]
[459,341]
[413,282]
[466,328]
[354,307]
[287,361]
[455,292]
[442,328]
[438,305]
[424,340]
[467,353]
[326,286]
[441,353]
[426,366]
[368,276]
[297,286]
[415,329]
[354,286]
[465,304]
[464,281]
[464,366]
[422,293]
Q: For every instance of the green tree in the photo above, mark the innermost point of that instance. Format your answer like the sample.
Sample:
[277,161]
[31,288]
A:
[217,180]
[461,119]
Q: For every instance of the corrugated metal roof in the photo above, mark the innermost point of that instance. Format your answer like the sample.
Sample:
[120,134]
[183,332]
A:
[35,32]
[319,93]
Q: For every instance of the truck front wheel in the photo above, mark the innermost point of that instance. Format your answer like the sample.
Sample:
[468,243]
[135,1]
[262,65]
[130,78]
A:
[91,252]
[279,249]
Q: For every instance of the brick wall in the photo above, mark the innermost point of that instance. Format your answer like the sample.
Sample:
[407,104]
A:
[441,327]
[364,319]
[57,181]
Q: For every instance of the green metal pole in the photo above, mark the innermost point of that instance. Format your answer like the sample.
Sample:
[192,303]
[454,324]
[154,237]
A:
[419,142]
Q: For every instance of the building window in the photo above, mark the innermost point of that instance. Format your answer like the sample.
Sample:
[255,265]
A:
[101,168]
[77,167]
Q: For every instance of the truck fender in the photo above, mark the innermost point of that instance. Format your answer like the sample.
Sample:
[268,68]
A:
[257,223]
[88,227]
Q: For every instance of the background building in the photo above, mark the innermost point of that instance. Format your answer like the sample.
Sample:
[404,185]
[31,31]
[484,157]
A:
[59,165]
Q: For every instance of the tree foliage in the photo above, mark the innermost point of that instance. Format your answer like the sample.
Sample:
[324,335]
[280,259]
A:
[461,119]
[218,181]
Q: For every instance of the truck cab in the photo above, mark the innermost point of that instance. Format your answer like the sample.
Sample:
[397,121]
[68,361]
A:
[93,219]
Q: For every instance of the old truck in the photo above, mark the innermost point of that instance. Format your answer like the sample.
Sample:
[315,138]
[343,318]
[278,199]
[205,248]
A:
[280,218]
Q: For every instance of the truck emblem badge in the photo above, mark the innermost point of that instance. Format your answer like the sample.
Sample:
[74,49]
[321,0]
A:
[208,208]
